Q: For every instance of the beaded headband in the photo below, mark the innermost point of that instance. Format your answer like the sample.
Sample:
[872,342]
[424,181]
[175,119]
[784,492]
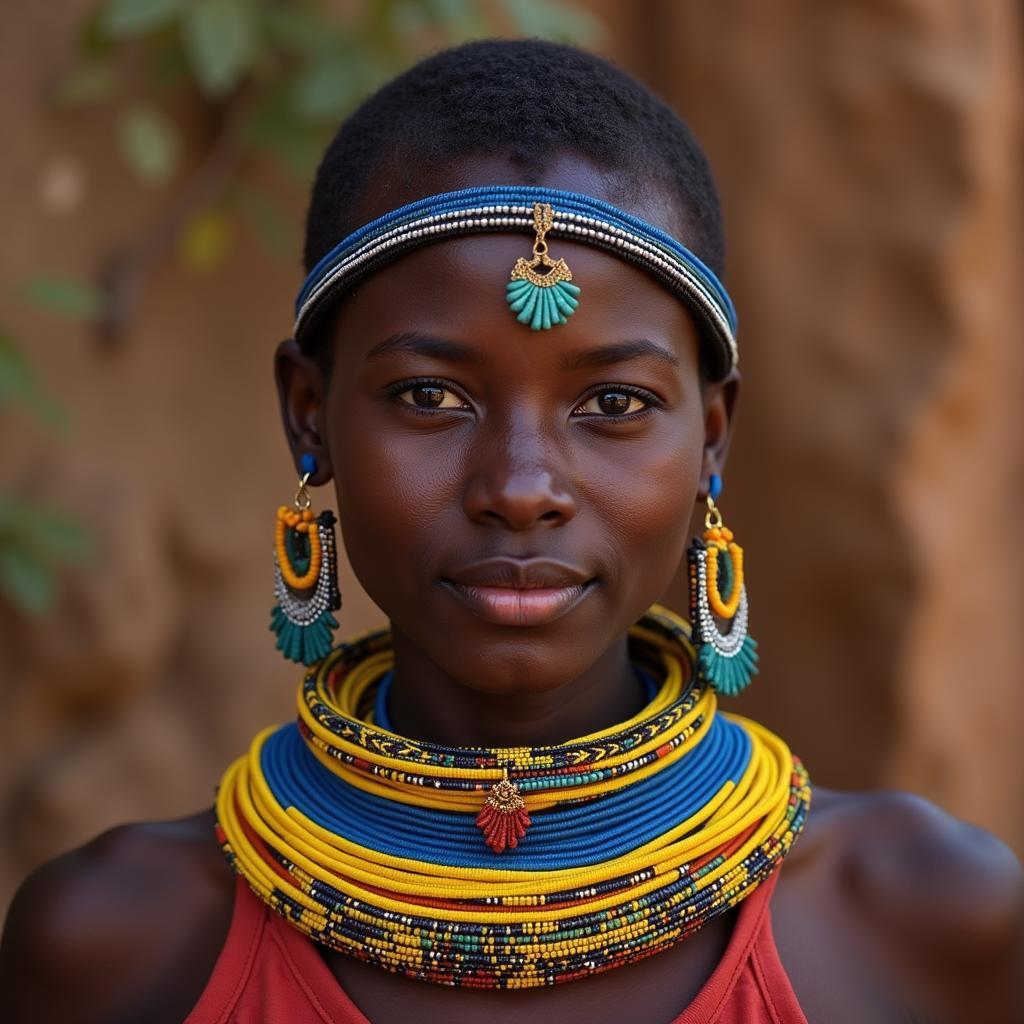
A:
[540,291]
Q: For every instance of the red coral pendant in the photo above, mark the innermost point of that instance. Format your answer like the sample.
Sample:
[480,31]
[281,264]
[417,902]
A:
[503,818]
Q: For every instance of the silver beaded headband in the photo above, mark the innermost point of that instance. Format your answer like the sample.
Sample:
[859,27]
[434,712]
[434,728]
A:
[540,291]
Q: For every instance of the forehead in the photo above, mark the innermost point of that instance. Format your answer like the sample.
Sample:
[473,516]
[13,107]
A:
[394,186]
[456,289]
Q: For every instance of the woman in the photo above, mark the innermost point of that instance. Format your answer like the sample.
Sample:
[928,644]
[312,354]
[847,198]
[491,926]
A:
[518,789]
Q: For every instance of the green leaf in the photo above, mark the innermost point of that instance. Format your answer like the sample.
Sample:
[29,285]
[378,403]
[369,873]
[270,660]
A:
[149,143]
[64,296]
[123,18]
[8,513]
[461,19]
[92,40]
[167,65]
[17,378]
[55,535]
[546,19]
[328,88]
[409,19]
[205,240]
[220,40]
[298,30]
[20,383]
[35,539]
[26,580]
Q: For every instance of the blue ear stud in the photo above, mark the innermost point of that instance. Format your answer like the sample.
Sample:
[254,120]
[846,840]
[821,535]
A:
[542,299]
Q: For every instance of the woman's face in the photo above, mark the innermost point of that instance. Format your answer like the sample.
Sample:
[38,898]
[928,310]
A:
[512,500]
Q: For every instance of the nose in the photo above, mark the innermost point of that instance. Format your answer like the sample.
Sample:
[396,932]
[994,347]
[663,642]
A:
[517,482]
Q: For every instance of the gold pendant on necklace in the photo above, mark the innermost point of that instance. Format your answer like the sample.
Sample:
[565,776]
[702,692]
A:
[503,818]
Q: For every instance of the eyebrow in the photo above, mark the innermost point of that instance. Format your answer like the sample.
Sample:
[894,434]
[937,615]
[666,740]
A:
[417,343]
[606,355]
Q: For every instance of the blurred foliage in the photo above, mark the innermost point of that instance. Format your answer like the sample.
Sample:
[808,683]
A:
[148,141]
[36,539]
[274,78]
[20,385]
[66,297]
[271,79]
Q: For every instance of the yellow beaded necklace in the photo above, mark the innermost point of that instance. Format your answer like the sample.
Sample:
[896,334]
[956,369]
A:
[367,841]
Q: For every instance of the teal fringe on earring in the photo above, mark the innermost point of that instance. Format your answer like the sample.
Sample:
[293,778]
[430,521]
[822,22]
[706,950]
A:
[304,644]
[728,675]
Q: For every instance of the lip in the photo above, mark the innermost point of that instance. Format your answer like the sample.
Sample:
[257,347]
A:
[518,592]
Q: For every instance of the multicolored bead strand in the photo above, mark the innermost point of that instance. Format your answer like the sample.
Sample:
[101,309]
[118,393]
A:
[367,841]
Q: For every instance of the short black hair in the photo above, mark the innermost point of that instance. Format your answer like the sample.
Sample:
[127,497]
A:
[527,99]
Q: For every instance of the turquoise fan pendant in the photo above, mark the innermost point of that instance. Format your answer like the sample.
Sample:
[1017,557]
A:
[542,299]
[542,305]
[305,585]
[728,661]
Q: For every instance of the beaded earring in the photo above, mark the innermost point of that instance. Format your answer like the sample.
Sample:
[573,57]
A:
[727,661]
[542,300]
[305,577]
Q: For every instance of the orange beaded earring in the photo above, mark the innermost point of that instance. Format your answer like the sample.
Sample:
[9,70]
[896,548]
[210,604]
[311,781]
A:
[727,660]
[305,577]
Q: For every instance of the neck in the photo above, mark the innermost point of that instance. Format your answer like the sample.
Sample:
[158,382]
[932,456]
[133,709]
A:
[427,704]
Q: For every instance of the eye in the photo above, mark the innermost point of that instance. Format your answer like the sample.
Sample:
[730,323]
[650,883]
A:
[612,402]
[431,396]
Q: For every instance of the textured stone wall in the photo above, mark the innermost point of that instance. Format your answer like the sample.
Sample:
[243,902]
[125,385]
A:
[870,163]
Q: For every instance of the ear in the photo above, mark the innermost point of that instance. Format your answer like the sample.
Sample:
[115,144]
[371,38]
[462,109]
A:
[719,410]
[301,390]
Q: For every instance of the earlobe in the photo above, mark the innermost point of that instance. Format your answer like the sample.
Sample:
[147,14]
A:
[301,390]
[719,410]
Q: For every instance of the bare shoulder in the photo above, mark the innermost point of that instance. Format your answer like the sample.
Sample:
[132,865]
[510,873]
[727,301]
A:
[916,866]
[931,906]
[127,927]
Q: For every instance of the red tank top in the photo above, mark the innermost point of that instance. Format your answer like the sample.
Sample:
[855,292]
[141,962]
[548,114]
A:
[269,973]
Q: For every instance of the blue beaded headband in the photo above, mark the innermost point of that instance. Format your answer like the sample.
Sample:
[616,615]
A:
[540,291]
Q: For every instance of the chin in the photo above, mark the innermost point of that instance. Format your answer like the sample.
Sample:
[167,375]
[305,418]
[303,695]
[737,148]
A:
[514,668]
[508,660]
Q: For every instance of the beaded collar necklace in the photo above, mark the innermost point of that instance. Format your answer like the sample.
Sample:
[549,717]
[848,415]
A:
[415,857]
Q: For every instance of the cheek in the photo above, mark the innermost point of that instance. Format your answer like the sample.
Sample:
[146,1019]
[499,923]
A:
[392,494]
[645,503]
